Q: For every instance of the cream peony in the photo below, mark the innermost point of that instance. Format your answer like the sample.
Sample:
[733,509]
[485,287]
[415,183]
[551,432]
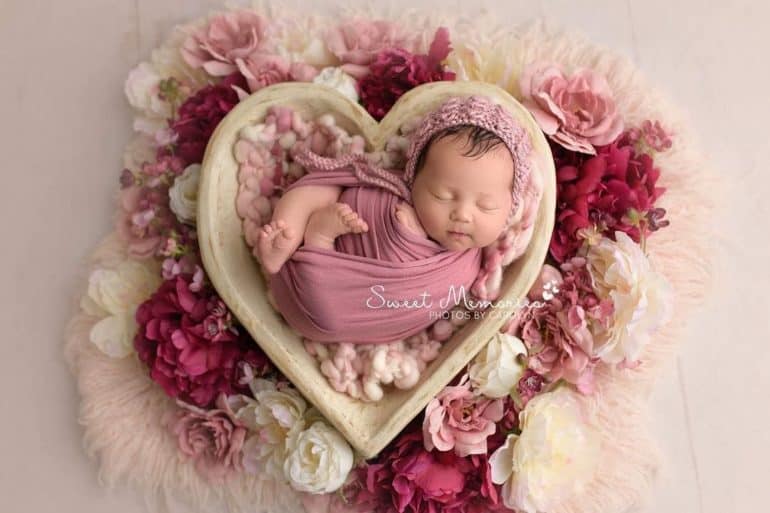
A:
[642,298]
[276,417]
[183,195]
[337,79]
[300,41]
[113,296]
[555,455]
[319,460]
[497,368]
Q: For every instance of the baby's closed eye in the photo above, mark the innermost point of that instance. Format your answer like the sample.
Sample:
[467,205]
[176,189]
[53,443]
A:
[488,206]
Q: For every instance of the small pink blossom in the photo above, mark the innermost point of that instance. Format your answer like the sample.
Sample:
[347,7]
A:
[213,439]
[261,70]
[459,419]
[357,42]
[578,112]
[227,38]
[651,134]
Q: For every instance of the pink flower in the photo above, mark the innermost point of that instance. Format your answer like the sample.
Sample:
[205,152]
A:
[191,345]
[652,135]
[530,384]
[461,420]
[557,333]
[357,42]
[406,478]
[227,38]
[577,112]
[200,114]
[395,71]
[213,439]
[262,70]
[613,190]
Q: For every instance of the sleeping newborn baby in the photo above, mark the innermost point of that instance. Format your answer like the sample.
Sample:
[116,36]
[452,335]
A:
[348,235]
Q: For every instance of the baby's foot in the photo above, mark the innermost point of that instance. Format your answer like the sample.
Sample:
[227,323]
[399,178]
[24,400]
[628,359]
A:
[328,223]
[407,216]
[276,243]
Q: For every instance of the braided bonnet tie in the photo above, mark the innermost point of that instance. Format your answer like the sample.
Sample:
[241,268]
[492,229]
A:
[363,169]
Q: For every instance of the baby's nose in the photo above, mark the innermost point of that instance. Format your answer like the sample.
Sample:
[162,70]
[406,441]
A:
[461,214]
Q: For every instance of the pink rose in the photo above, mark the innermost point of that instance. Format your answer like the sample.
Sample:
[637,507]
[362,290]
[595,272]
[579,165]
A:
[357,42]
[577,112]
[262,70]
[227,38]
[461,420]
[212,438]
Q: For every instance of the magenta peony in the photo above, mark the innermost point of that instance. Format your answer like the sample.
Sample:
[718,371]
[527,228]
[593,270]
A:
[212,438]
[226,38]
[200,114]
[358,42]
[614,190]
[190,343]
[558,332]
[577,112]
[395,71]
[459,419]
[406,478]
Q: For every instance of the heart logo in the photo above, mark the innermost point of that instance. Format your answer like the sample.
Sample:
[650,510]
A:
[369,427]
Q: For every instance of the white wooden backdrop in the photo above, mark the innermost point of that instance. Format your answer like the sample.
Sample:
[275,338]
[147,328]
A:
[63,124]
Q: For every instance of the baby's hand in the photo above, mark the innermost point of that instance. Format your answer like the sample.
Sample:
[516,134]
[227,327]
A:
[406,215]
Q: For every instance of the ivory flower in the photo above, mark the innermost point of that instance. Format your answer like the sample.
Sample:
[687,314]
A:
[276,417]
[113,296]
[301,41]
[337,79]
[642,298]
[183,195]
[497,369]
[142,90]
[555,455]
[319,459]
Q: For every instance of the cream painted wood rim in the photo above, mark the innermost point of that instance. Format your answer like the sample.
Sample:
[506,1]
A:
[369,427]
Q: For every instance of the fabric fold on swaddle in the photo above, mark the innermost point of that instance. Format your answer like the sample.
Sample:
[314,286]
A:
[376,287]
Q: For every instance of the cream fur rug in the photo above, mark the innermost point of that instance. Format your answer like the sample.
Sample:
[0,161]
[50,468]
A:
[120,407]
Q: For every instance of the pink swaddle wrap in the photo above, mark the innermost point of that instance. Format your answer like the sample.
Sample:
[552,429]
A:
[339,296]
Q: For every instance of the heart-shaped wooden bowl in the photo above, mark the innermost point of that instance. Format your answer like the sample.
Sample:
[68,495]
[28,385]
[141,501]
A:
[237,277]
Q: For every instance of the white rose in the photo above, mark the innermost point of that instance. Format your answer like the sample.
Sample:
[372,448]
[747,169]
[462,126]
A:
[183,195]
[319,460]
[142,89]
[277,417]
[339,80]
[642,298]
[554,457]
[497,368]
[113,296]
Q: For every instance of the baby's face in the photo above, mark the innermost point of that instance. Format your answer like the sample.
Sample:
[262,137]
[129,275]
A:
[463,202]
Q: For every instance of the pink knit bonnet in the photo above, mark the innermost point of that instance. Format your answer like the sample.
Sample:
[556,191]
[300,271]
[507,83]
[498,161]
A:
[482,112]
